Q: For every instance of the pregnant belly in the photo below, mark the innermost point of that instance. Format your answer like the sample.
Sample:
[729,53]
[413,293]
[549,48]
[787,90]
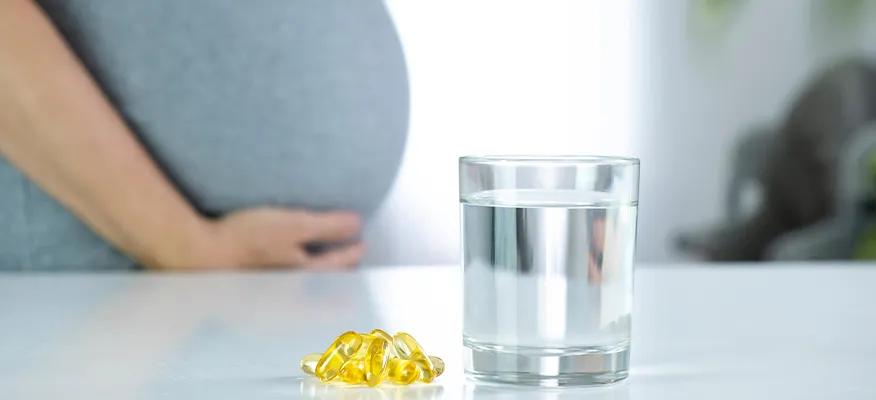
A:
[300,104]
[320,171]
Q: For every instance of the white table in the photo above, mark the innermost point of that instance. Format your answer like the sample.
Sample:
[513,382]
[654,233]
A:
[780,331]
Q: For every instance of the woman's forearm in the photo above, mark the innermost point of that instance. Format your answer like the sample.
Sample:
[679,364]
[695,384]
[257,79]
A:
[60,130]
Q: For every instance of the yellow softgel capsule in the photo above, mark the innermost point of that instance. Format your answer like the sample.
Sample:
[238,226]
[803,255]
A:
[353,371]
[408,348]
[406,345]
[424,364]
[381,333]
[374,355]
[376,360]
[438,363]
[337,354]
[363,348]
[308,363]
[371,358]
[401,371]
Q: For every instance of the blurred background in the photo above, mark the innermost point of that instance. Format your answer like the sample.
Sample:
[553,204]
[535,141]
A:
[755,124]
[697,89]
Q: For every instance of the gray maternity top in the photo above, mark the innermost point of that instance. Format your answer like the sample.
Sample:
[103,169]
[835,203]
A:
[300,103]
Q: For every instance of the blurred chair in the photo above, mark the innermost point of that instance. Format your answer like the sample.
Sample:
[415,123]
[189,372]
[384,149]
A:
[800,190]
[834,237]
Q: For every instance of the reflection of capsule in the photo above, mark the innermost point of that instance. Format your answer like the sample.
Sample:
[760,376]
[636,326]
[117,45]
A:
[333,359]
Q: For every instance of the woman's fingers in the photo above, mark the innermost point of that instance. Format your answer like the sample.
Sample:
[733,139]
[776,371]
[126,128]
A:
[276,237]
[332,226]
[343,257]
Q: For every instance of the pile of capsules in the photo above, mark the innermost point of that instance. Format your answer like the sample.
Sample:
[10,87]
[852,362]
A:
[372,358]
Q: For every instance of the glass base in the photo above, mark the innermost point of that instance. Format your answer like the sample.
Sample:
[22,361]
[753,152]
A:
[552,367]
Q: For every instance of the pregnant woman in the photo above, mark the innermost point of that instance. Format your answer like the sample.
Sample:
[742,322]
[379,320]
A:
[195,134]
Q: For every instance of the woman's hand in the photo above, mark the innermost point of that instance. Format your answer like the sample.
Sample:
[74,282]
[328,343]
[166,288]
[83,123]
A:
[274,237]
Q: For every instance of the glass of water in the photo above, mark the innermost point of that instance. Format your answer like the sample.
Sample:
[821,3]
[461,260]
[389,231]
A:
[548,246]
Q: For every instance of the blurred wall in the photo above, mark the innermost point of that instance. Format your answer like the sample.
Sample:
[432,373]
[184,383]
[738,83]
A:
[672,82]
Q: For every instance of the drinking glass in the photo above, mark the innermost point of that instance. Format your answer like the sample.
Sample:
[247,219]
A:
[547,254]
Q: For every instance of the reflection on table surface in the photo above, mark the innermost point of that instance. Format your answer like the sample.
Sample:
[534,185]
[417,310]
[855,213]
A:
[313,389]
[789,331]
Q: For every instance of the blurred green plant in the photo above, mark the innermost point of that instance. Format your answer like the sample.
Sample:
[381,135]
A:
[709,19]
[844,10]
[865,248]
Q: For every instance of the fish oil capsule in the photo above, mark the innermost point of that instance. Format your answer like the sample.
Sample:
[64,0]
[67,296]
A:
[401,371]
[406,345]
[381,333]
[353,371]
[425,366]
[368,337]
[373,353]
[376,360]
[337,354]
[374,357]
[438,363]
[408,348]
[308,363]
[363,348]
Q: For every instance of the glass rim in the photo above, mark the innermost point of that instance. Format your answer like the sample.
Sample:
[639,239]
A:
[549,159]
